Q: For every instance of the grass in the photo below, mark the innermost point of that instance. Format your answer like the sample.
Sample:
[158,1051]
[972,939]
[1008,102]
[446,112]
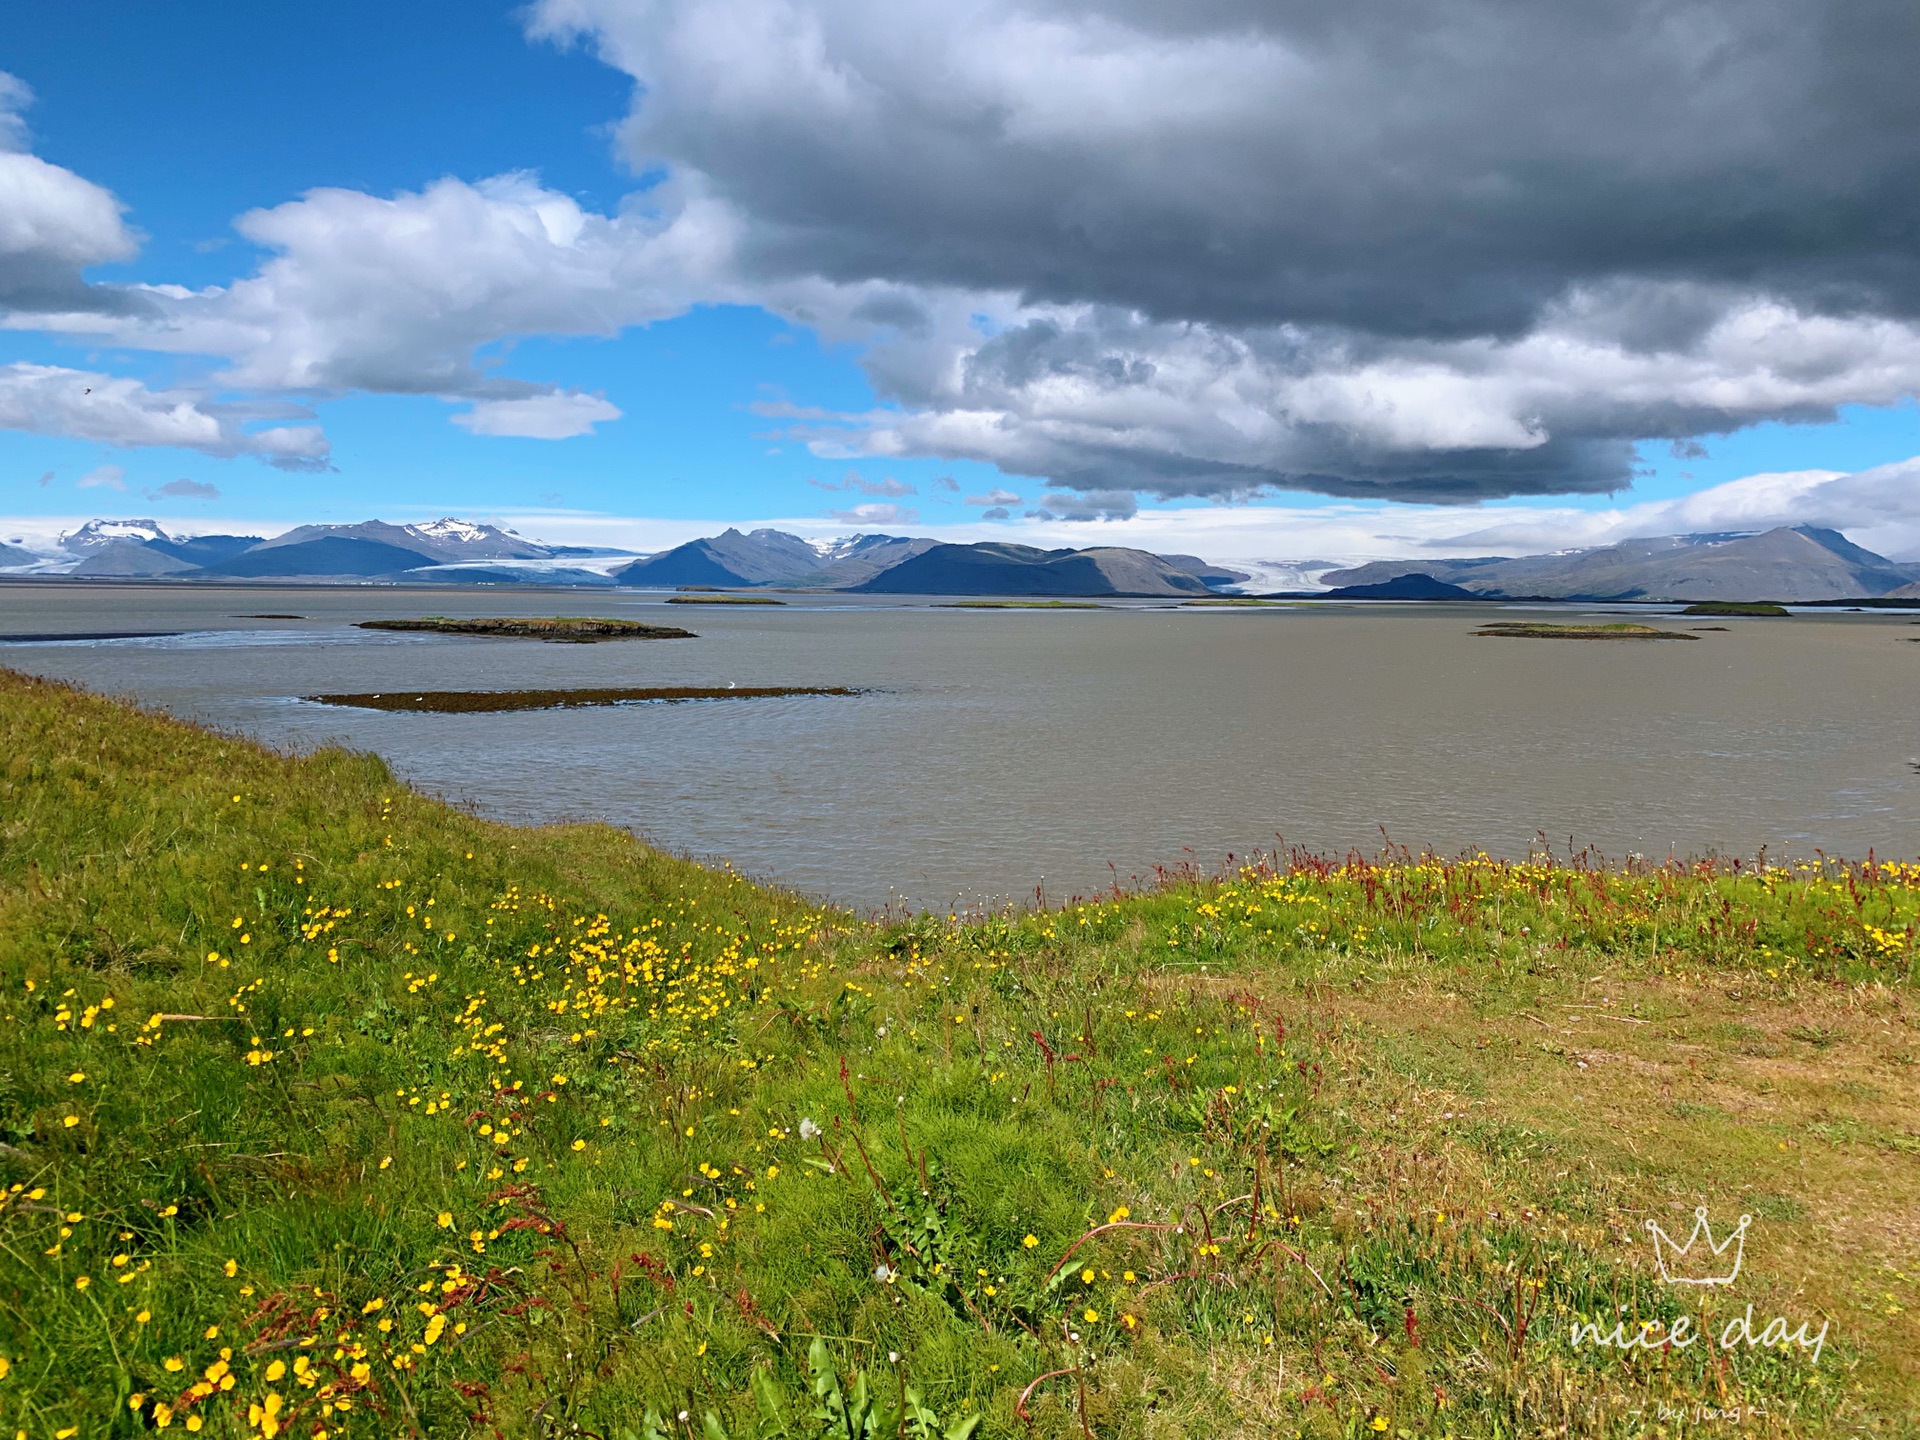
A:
[326,1107]
[723,600]
[1018,605]
[473,702]
[1736,607]
[575,629]
[1542,630]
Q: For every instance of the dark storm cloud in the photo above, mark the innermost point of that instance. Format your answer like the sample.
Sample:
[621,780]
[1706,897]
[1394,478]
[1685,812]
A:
[1422,250]
[1402,167]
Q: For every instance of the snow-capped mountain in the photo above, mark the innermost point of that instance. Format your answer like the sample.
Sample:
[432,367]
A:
[98,534]
[466,540]
[437,541]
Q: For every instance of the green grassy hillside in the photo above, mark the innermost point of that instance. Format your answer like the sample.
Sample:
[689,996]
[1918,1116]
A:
[326,1109]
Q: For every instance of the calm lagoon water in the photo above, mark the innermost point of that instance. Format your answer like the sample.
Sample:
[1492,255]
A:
[1004,751]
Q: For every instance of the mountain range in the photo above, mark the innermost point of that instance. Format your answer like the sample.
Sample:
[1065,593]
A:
[1802,563]
[772,557]
[1797,564]
[896,565]
[460,552]
[448,550]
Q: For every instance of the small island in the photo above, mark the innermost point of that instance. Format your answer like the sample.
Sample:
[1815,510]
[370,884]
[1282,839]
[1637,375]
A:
[574,629]
[1759,608]
[488,702]
[716,599]
[1542,630]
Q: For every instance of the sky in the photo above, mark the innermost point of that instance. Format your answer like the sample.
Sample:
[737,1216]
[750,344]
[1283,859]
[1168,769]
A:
[1251,280]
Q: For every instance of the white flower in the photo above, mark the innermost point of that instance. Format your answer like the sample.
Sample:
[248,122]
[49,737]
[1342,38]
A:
[808,1129]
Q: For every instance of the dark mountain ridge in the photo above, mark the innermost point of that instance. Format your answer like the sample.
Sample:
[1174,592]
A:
[994,568]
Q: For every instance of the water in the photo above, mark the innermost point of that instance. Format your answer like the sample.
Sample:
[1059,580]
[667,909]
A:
[1000,752]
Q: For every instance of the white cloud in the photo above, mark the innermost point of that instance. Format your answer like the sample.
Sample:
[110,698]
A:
[877,514]
[103,477]
[185,490]
[1397,250]
[1100,399]
[558,415]
[395,295]
[15,96]
[52,222]
[85,405]
[995,496]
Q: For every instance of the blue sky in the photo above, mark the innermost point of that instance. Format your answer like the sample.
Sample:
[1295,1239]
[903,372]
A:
[190,125]
[732,392]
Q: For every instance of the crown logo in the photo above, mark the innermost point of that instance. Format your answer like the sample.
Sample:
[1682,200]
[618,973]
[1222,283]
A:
[1684,1265]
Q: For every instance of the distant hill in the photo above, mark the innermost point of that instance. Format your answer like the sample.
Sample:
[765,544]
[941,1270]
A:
[1001,569]
[129,558]
[898,565]
[205,549]
[1801,563]
[368,550]
[764,557]
[773,557]
[326,555]
[1403,587]
[133,548]
[438,540]
[11,555]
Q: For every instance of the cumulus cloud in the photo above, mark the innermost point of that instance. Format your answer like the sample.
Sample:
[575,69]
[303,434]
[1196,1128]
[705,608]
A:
[108,409]
[53,223]
[995,496]
[1397,249]
[395,295]
[185,490]
[556,415]
[1395,166]
[1086,506]
[1097,399]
